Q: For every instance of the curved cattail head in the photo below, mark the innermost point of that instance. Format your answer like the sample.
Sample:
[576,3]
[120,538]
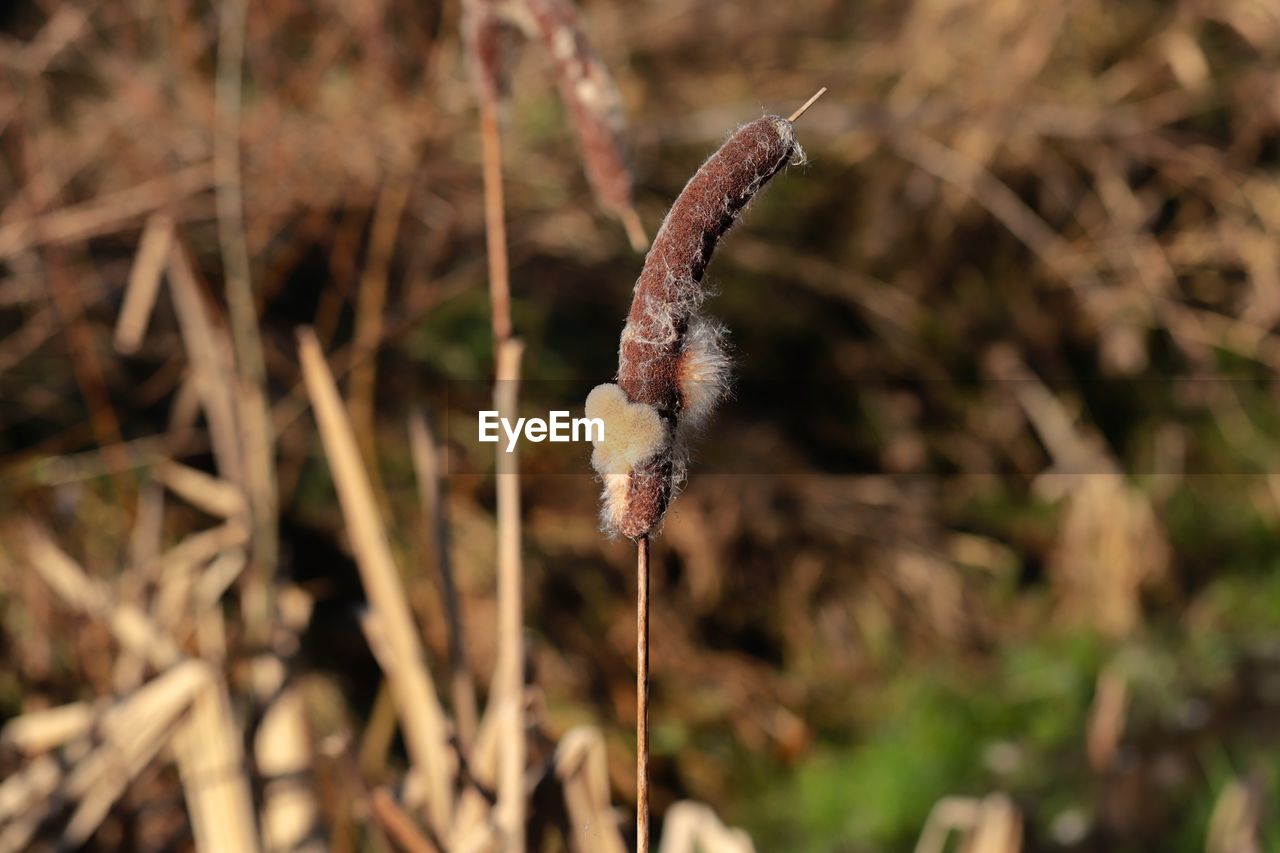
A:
[594,106]
[492,40]
[672,369]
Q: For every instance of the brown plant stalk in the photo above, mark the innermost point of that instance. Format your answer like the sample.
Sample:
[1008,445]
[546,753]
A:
[486,30]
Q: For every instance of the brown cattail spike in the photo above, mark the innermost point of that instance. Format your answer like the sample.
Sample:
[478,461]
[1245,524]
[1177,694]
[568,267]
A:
[671,365]
[594,106]
[492,40]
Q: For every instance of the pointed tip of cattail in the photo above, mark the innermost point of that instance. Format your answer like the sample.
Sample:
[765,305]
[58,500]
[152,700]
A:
[804,107]
[635,229]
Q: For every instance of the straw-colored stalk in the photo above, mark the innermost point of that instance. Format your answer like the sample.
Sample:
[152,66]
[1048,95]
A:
[509,677]
[211,764]
[690,827]
[582,768]
[506,703]
[421,716]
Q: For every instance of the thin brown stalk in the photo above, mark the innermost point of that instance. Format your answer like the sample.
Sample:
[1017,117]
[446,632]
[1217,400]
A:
[426,470]
[398,824]
[257,434]
[103,214]
[495,226]
[506,706]
[371,301]
[642,694]
[804,108]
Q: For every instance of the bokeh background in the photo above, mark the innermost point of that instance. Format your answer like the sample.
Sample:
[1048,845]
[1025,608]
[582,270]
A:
[989,529]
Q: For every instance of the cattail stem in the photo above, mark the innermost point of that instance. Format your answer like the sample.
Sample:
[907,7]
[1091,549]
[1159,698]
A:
[495,226]
[509,675]
[642,694]
[508,693]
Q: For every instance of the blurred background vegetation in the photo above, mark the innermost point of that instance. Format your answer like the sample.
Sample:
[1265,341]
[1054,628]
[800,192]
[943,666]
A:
[992,515]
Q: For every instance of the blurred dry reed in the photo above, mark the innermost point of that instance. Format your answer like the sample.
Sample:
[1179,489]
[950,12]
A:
[176,183]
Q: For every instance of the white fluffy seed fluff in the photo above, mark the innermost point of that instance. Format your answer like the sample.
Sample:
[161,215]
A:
[633,432]
[703,373]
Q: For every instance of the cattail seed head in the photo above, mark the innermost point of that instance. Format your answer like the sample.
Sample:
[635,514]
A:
[671,361]
[491,29]
[591,99]
[492,40]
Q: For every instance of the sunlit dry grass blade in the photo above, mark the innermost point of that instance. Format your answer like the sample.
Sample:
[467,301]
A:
[132,733]
[198,548]
[92,775]
[176,573]
[583,770]
[420,713]
[148,524]
[211,763]
[209,352]
[22,797]
[371,301]
[40,731]
[211,494]
[144,283]
[131,628]
[426,471]
[105,213]
[283,758]
[989,825]
[475,815]
[999,828]
[692,827]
